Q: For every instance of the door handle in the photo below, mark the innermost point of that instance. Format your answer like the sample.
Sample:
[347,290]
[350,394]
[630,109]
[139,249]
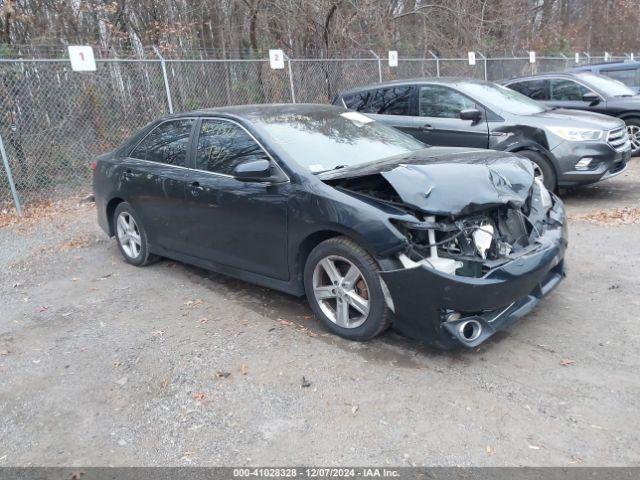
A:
[128,173]
[196,188]
[426,127]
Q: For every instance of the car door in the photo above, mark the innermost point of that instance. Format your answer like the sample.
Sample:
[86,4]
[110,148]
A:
[231,222]
[438,119]
[153,178]
[566,93]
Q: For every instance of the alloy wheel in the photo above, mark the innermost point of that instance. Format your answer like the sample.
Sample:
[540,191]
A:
[341,291]
[128,235]
[634,136]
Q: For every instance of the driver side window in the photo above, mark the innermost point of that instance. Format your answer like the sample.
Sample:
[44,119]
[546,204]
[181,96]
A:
[223,145]
[567,90]
[442,102]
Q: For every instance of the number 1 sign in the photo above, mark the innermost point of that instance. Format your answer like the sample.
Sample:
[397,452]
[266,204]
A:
[82,59]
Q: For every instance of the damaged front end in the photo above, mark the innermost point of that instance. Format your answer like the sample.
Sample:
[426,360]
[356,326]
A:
[484,243]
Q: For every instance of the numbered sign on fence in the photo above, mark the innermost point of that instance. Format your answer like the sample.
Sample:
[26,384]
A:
[276,59]
[393,58]
[532,57]
[82,59]
[472,58]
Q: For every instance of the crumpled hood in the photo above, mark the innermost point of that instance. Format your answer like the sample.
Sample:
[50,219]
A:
[453,181]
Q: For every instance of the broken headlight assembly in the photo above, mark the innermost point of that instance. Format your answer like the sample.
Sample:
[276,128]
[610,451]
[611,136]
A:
[473,245]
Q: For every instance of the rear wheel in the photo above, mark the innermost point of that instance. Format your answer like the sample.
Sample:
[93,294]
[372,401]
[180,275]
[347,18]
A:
[542,168]
[633,129]
[344,290]
[131,236]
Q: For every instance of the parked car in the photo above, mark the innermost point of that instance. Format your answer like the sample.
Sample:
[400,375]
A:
[625,72]
[448,245]
[585,91]
[568,148]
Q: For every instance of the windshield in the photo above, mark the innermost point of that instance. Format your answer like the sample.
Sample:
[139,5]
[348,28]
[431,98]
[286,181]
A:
[326,139]
[497,98]
[606,85]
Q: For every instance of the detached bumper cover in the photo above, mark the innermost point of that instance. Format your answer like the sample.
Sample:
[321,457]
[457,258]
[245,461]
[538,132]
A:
[422,295]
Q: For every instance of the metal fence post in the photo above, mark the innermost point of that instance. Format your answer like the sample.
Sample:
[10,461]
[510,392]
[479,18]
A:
[586,54]
[293,92]
[7,169]
[437,63]
[379,65]
[485,65]
[166,79]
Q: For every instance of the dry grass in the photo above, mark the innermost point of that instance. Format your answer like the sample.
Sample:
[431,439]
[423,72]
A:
[34,214]
[612,216]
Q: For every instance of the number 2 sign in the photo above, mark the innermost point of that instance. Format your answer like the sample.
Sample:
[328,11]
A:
[82,59]
[276,59]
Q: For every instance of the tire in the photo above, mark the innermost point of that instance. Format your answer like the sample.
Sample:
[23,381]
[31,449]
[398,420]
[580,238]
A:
[353,291]
[633,129]
[131,236]
[543,168]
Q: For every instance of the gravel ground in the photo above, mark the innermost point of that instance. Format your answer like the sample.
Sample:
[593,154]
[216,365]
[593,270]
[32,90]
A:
[104,364]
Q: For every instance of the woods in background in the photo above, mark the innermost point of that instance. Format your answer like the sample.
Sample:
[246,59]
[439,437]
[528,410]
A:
[232,28]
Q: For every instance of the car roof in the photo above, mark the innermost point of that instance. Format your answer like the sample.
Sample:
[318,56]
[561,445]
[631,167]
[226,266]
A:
[629,63]
[542,75]
[257,111]
[413,81]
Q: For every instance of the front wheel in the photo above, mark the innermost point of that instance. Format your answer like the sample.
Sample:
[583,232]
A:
[633,129]
[542,169]
[344,289]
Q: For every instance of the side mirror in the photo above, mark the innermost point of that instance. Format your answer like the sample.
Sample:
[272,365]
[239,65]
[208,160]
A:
[591,98]
[255,171]
[471,114]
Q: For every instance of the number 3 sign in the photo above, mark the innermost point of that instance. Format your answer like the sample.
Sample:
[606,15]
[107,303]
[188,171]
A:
[82,59]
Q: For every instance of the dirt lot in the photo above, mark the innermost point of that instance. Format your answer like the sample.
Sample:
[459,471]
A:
[102,363]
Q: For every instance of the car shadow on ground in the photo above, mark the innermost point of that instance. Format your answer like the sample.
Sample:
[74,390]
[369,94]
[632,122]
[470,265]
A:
[389,347]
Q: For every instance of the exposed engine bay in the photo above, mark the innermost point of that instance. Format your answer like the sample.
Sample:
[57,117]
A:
[472,239]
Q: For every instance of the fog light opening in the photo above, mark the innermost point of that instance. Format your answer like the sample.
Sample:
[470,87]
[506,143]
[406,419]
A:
[584,163]
[470,330]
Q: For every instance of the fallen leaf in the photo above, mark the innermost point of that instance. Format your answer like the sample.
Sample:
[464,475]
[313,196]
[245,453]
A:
[285,322]
[158,333]
[354,409]
[305,383]
[576,459]
[43,309]
[204,320]
[565,362]
[4,352]
[221,374]
[243,369]
[199,396]
[534,447]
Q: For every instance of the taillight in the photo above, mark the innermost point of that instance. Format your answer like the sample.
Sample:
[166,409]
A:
[94,165]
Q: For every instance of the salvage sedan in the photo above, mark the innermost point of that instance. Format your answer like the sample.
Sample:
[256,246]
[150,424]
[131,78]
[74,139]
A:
[448,245]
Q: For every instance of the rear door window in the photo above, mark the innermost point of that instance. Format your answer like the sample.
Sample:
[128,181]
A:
[567,90]
[535,89]
[168,143]
[442,102]
[383,101]
[223,145]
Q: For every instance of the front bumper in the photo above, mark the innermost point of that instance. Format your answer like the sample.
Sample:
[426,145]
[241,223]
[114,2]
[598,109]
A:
[607,162]
[422,297]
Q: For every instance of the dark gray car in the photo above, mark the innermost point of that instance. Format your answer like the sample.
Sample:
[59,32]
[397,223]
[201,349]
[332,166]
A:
[585,91]
[568,147]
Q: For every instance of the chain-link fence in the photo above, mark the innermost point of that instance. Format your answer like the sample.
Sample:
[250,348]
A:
[54,121]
